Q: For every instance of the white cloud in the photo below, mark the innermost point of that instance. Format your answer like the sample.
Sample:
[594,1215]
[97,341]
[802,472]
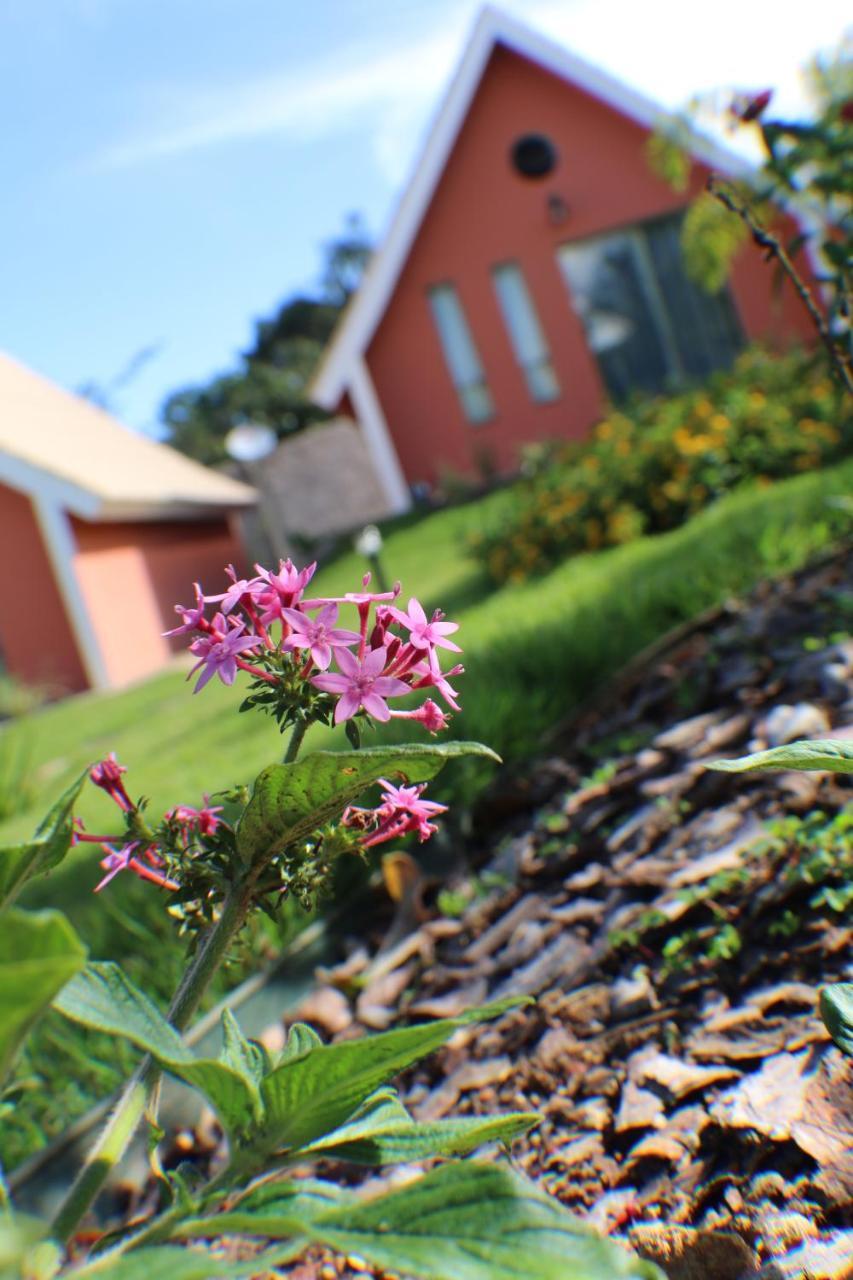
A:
[662,47]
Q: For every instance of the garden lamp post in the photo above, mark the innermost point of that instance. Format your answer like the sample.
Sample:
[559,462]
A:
[368,543]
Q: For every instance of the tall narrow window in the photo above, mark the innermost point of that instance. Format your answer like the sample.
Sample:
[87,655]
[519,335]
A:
[460,354]
[525,332]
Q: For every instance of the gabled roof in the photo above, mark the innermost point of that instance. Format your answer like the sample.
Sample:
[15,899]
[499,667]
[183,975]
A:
[493,27]
[57,445]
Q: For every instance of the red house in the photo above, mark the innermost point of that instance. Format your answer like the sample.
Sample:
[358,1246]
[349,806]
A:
[532,271]
[102,532]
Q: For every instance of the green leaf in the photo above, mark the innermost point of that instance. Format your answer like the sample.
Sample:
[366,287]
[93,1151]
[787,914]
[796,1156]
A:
[20,863]
[182,1264]
[308,1097]
[836,1009]
[103,998]
[832,754]
[270,1210]
[39,952]
[383,1132]
[301,1039]
[238,1053]
[289,801]
[467,1221]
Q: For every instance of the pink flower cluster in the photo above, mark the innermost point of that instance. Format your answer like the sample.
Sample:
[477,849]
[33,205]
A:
[402,810]
[393,652]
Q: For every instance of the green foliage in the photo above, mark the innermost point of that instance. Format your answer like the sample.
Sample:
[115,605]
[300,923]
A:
[334,1101]
[805,170]
[474,1223]
[39,952]
[274,1109]
[382,1132]
[836,1009]
[710,238]
[826,755]
[290,800]
[102,998]
[458,1222]
[48,847]
[807,860]
[659,460]
[668,153]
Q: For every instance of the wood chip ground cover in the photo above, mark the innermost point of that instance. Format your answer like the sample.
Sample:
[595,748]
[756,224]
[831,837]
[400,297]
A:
[674,925]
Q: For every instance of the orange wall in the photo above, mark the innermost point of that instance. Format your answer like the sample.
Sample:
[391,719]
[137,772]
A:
[132,575]
[36,641]
[483,214]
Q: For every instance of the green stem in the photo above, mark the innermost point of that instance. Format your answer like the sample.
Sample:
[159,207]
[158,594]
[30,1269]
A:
[123,1122]
[295,741]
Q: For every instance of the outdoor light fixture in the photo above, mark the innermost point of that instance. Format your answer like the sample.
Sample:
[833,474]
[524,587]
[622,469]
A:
[250,442]
[533,156]
[368,543]
[558,209]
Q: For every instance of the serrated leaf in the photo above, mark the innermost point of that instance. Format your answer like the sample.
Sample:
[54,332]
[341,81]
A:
[20,863]
[39,953]
[289,801]
[269,1210]
[102,997]
[238,1053]
[308,1097]
[468,1221]
[301,1039]
[832,754]
[178,1263]
[836,1009]
[383,1132]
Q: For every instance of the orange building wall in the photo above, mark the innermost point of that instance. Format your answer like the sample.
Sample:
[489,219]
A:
[482,214]
[132,575]
[36,641]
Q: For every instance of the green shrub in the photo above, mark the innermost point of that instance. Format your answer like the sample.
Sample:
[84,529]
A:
[656,461]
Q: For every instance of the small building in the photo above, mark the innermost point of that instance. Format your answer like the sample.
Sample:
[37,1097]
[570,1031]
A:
[102,531]
[532,272]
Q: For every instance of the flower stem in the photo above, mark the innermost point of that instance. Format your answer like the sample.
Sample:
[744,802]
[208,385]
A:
[295,741]
[122,1124]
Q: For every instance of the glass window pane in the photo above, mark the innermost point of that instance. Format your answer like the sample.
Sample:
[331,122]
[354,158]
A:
[542,382]
[456,340]
[705,325]
[605,284]
[477,402]
[525,331]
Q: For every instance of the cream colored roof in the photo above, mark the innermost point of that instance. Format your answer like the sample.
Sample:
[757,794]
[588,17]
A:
[56,444]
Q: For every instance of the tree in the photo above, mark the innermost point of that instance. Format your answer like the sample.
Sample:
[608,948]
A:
[269,387]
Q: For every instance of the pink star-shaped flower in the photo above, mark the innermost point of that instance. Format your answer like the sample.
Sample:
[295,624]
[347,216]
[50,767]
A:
[240,587]
[218,652]
[191,617]
[318,634]
[426,633]
[361,684]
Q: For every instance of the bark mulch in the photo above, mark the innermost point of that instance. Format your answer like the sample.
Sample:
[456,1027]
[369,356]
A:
[673,926]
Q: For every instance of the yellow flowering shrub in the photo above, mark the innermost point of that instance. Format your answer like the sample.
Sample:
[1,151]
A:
[657,460]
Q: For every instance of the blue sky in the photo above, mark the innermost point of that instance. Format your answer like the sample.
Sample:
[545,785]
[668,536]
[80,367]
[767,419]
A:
[172,168]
